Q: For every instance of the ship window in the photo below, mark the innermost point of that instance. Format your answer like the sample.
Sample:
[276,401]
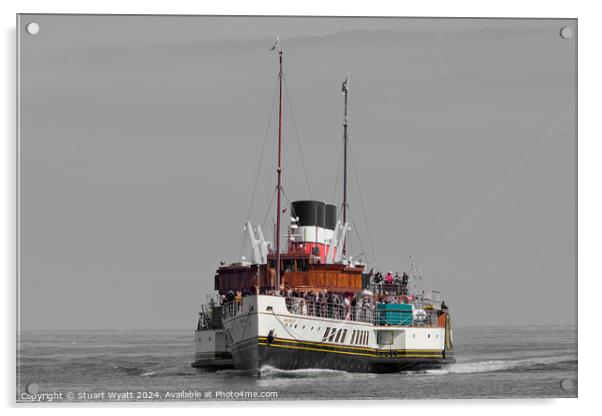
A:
[353,336]
[338,336]
[344,335]
[326,333]
[287,265]
[302,265]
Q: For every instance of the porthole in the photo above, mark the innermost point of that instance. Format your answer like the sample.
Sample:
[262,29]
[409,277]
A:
[413,335]
[429,335]
[303,327]
[312,328]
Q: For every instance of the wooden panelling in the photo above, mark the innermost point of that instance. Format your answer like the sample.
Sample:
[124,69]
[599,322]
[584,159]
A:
[336,278]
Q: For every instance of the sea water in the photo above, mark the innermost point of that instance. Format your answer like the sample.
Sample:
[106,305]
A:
[154,365]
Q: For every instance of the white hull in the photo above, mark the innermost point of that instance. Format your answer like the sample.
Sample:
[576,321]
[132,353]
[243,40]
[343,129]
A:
[261,331]
[211,350]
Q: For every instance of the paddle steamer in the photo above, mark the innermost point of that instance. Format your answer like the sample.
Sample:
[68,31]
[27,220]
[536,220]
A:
[312,305]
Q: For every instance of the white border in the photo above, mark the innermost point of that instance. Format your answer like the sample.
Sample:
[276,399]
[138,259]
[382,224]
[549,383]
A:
[590,199]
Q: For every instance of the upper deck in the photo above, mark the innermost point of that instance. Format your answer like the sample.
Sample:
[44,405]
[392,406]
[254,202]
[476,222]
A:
[298,270]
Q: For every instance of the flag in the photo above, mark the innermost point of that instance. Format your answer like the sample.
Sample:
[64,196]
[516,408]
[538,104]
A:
[276,44]
[345,86]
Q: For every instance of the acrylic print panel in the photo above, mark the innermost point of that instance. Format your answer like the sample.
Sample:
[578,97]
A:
[416,238]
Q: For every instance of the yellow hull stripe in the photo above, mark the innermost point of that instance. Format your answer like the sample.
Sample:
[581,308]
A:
[352,353]
[323,344]
[317,349]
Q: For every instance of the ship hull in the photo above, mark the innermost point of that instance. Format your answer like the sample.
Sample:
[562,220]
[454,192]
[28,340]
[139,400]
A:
[264,334]
[303,358]
[211,350]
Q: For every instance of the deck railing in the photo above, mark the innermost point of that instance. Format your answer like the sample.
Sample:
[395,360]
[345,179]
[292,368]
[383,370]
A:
[383,288]
[367,313]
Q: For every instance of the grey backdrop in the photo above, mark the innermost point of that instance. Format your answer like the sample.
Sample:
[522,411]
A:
[140,137]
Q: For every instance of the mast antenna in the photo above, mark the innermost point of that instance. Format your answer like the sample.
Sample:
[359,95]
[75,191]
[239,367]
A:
[345,90]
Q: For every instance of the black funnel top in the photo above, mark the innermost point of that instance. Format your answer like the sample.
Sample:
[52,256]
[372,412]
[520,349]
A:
[310,213]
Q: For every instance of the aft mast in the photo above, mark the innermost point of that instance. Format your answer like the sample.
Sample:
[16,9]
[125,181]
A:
[345,90]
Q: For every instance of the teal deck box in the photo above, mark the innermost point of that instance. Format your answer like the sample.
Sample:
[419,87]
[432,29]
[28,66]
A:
[394,314]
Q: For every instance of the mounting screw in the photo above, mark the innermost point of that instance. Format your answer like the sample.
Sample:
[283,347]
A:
[32,28]
[566,32]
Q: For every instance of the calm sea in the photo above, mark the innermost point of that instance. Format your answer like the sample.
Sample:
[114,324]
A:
[494,362]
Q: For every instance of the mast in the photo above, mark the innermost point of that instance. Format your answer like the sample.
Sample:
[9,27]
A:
[279,170]
[345,90]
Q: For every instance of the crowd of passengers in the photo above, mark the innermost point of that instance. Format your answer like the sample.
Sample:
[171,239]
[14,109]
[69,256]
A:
[327,304]
[389,282]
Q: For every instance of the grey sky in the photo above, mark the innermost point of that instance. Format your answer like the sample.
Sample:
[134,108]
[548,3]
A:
[140,137]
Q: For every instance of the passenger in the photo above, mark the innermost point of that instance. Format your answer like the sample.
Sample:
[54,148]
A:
[370,311]
[347,303]
[323,303]
[404,283]
[389,278]
[443,306]
[334,305]
[358,309]
[296,306]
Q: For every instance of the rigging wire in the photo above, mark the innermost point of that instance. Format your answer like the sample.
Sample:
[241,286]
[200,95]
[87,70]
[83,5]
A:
[359,240]
[258,172]
[265,140]
[362,205]
[338,174]
[288,201]
[288,99]
[269,209]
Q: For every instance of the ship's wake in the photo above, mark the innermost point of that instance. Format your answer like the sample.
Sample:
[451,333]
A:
[487,366]
[267,372]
